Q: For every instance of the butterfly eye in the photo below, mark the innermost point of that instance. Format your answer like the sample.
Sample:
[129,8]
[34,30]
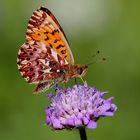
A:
[80,71]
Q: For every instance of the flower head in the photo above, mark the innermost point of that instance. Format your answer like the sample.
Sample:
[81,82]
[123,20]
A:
[78,106]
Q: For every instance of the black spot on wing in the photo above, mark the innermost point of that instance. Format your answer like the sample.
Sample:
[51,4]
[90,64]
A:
[47,38]
[63,51]
[60,46]
[55,31]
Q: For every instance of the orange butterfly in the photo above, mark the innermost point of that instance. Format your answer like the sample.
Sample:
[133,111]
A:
[45,58]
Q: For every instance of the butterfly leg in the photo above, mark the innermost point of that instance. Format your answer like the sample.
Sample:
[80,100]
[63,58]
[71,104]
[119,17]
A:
[56,85]
[84,82]
[82,79]
[75,80]
[64,86]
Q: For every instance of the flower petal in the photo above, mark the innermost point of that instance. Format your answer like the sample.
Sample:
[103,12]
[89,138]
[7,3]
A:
[92,124]
[56,124]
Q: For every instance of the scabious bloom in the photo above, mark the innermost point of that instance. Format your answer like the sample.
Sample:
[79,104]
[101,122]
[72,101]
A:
[78,106]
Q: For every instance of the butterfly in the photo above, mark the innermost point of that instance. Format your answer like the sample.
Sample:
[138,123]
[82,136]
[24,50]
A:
[46,58]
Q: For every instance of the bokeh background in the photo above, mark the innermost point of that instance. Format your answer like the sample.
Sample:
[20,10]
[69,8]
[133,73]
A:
[111,26]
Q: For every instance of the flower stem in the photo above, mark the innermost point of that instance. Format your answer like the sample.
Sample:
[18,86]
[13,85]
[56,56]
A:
[82,132]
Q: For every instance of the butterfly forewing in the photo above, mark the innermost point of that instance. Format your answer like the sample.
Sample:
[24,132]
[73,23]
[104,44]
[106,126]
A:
[44,27]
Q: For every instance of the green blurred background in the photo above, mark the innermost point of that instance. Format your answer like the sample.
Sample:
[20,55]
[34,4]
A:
[111,26]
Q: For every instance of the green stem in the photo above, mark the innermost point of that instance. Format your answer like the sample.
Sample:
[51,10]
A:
[82,132]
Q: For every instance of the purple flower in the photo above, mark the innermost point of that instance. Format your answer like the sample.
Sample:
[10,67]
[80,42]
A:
[78,106]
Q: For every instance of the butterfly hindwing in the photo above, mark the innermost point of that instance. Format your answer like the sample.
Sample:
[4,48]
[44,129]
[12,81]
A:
[40,63]
[43,86]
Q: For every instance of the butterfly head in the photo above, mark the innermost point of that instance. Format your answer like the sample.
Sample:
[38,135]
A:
[80,70]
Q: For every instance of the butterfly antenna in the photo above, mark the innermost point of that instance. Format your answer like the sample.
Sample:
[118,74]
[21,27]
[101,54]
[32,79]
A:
[90,63]
[98,59]
[93,62]
[93,56]
[97,53]
[75,80]
[56,86]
